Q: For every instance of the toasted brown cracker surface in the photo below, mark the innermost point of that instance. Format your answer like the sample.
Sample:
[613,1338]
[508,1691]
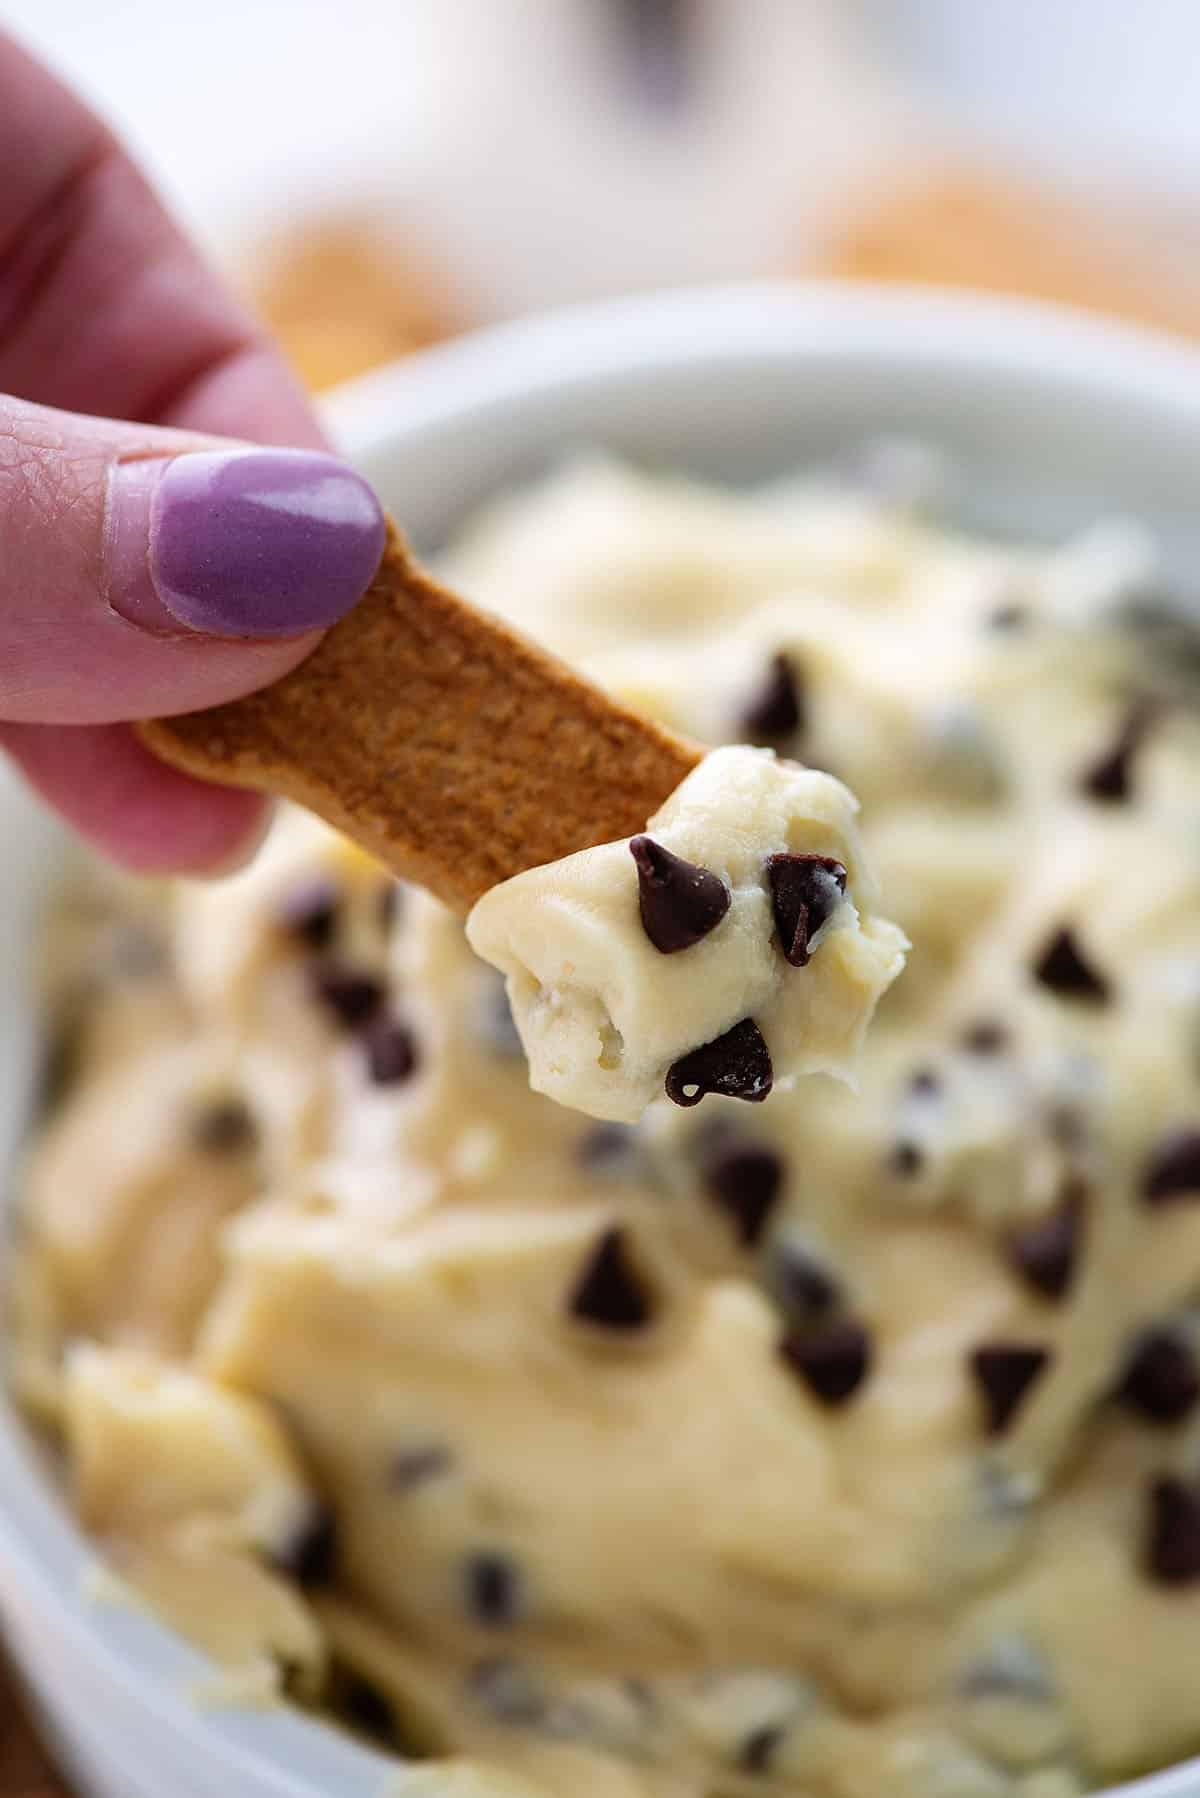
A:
[442,742]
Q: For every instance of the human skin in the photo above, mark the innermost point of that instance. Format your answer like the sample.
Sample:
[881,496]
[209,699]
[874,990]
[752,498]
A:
[138,578]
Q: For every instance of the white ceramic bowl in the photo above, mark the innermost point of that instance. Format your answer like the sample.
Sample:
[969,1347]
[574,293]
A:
[1050,419]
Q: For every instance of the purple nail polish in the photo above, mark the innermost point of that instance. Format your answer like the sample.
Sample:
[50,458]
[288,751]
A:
[241,543]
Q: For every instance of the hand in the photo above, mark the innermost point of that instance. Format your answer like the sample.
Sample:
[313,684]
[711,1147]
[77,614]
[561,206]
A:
[149,567]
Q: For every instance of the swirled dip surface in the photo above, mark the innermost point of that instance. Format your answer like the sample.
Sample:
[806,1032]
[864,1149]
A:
[841,1444]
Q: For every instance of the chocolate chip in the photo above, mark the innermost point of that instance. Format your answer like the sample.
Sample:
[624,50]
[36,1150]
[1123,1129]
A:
[1004,1372]
[362,1705]
[737,1065]
[805,892]
[1173,1171]
[492,1589]
[1161,1382]
[1045,1253]
[391,1051]
[906,1160]
[389,904]
[1110,779]
[309,911]
[226,1127]
[1062,969]
[801,1284]
[610,1292]
[759,1747]
[353,998]
[679,902]
[744,1180]
[985,1037]
[609,1148]
[924,1084]
[310,1557]
[778,710]
[833,1361]
[416,1466]
[1172,1545]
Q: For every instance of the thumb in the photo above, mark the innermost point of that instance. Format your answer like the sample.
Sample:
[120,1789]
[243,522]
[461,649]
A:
[145,571]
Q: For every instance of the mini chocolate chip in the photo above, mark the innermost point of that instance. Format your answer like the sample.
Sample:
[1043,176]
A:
[1172,1545]
[1161,1381]
[1110,779]
[389,904]
[226,1127]
[745,1180]
[609,1148]
[737,1065]
[758,1749]
[415,1466]
[924,1084]
[610,1291]
[801,1285]
[778,710]
[985,1037]
[353,998]
[1004,1372]
[906,1160]
[679,902]
[1010,616]
[492,1589]
[1045,1252]
[391,1052]
[805,892]
[361,1704]
[310,1557]
[1062,969]
[309,911]
[1173,1171]
[833,1361]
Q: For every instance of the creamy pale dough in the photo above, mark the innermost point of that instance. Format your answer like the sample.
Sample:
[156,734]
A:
[839,1445]
[604,1011]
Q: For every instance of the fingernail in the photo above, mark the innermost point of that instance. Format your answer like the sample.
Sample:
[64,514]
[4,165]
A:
[240,543]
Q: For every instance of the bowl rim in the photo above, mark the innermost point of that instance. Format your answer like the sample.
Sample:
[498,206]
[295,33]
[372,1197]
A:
[44,1556]
[928,327]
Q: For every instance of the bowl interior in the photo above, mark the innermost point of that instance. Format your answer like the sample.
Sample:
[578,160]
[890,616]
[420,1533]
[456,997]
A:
[1048,421]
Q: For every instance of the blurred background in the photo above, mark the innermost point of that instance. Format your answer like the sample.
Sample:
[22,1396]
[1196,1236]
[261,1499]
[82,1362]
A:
[380,173]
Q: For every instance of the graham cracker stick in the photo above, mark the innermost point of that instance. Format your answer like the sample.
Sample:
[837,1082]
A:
[440,740]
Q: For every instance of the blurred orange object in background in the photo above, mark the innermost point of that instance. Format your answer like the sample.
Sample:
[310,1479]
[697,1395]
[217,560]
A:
[341,304]
[977,229]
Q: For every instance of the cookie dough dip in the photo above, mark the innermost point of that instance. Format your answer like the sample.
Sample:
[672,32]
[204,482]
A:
[679,961]
[840,1444]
